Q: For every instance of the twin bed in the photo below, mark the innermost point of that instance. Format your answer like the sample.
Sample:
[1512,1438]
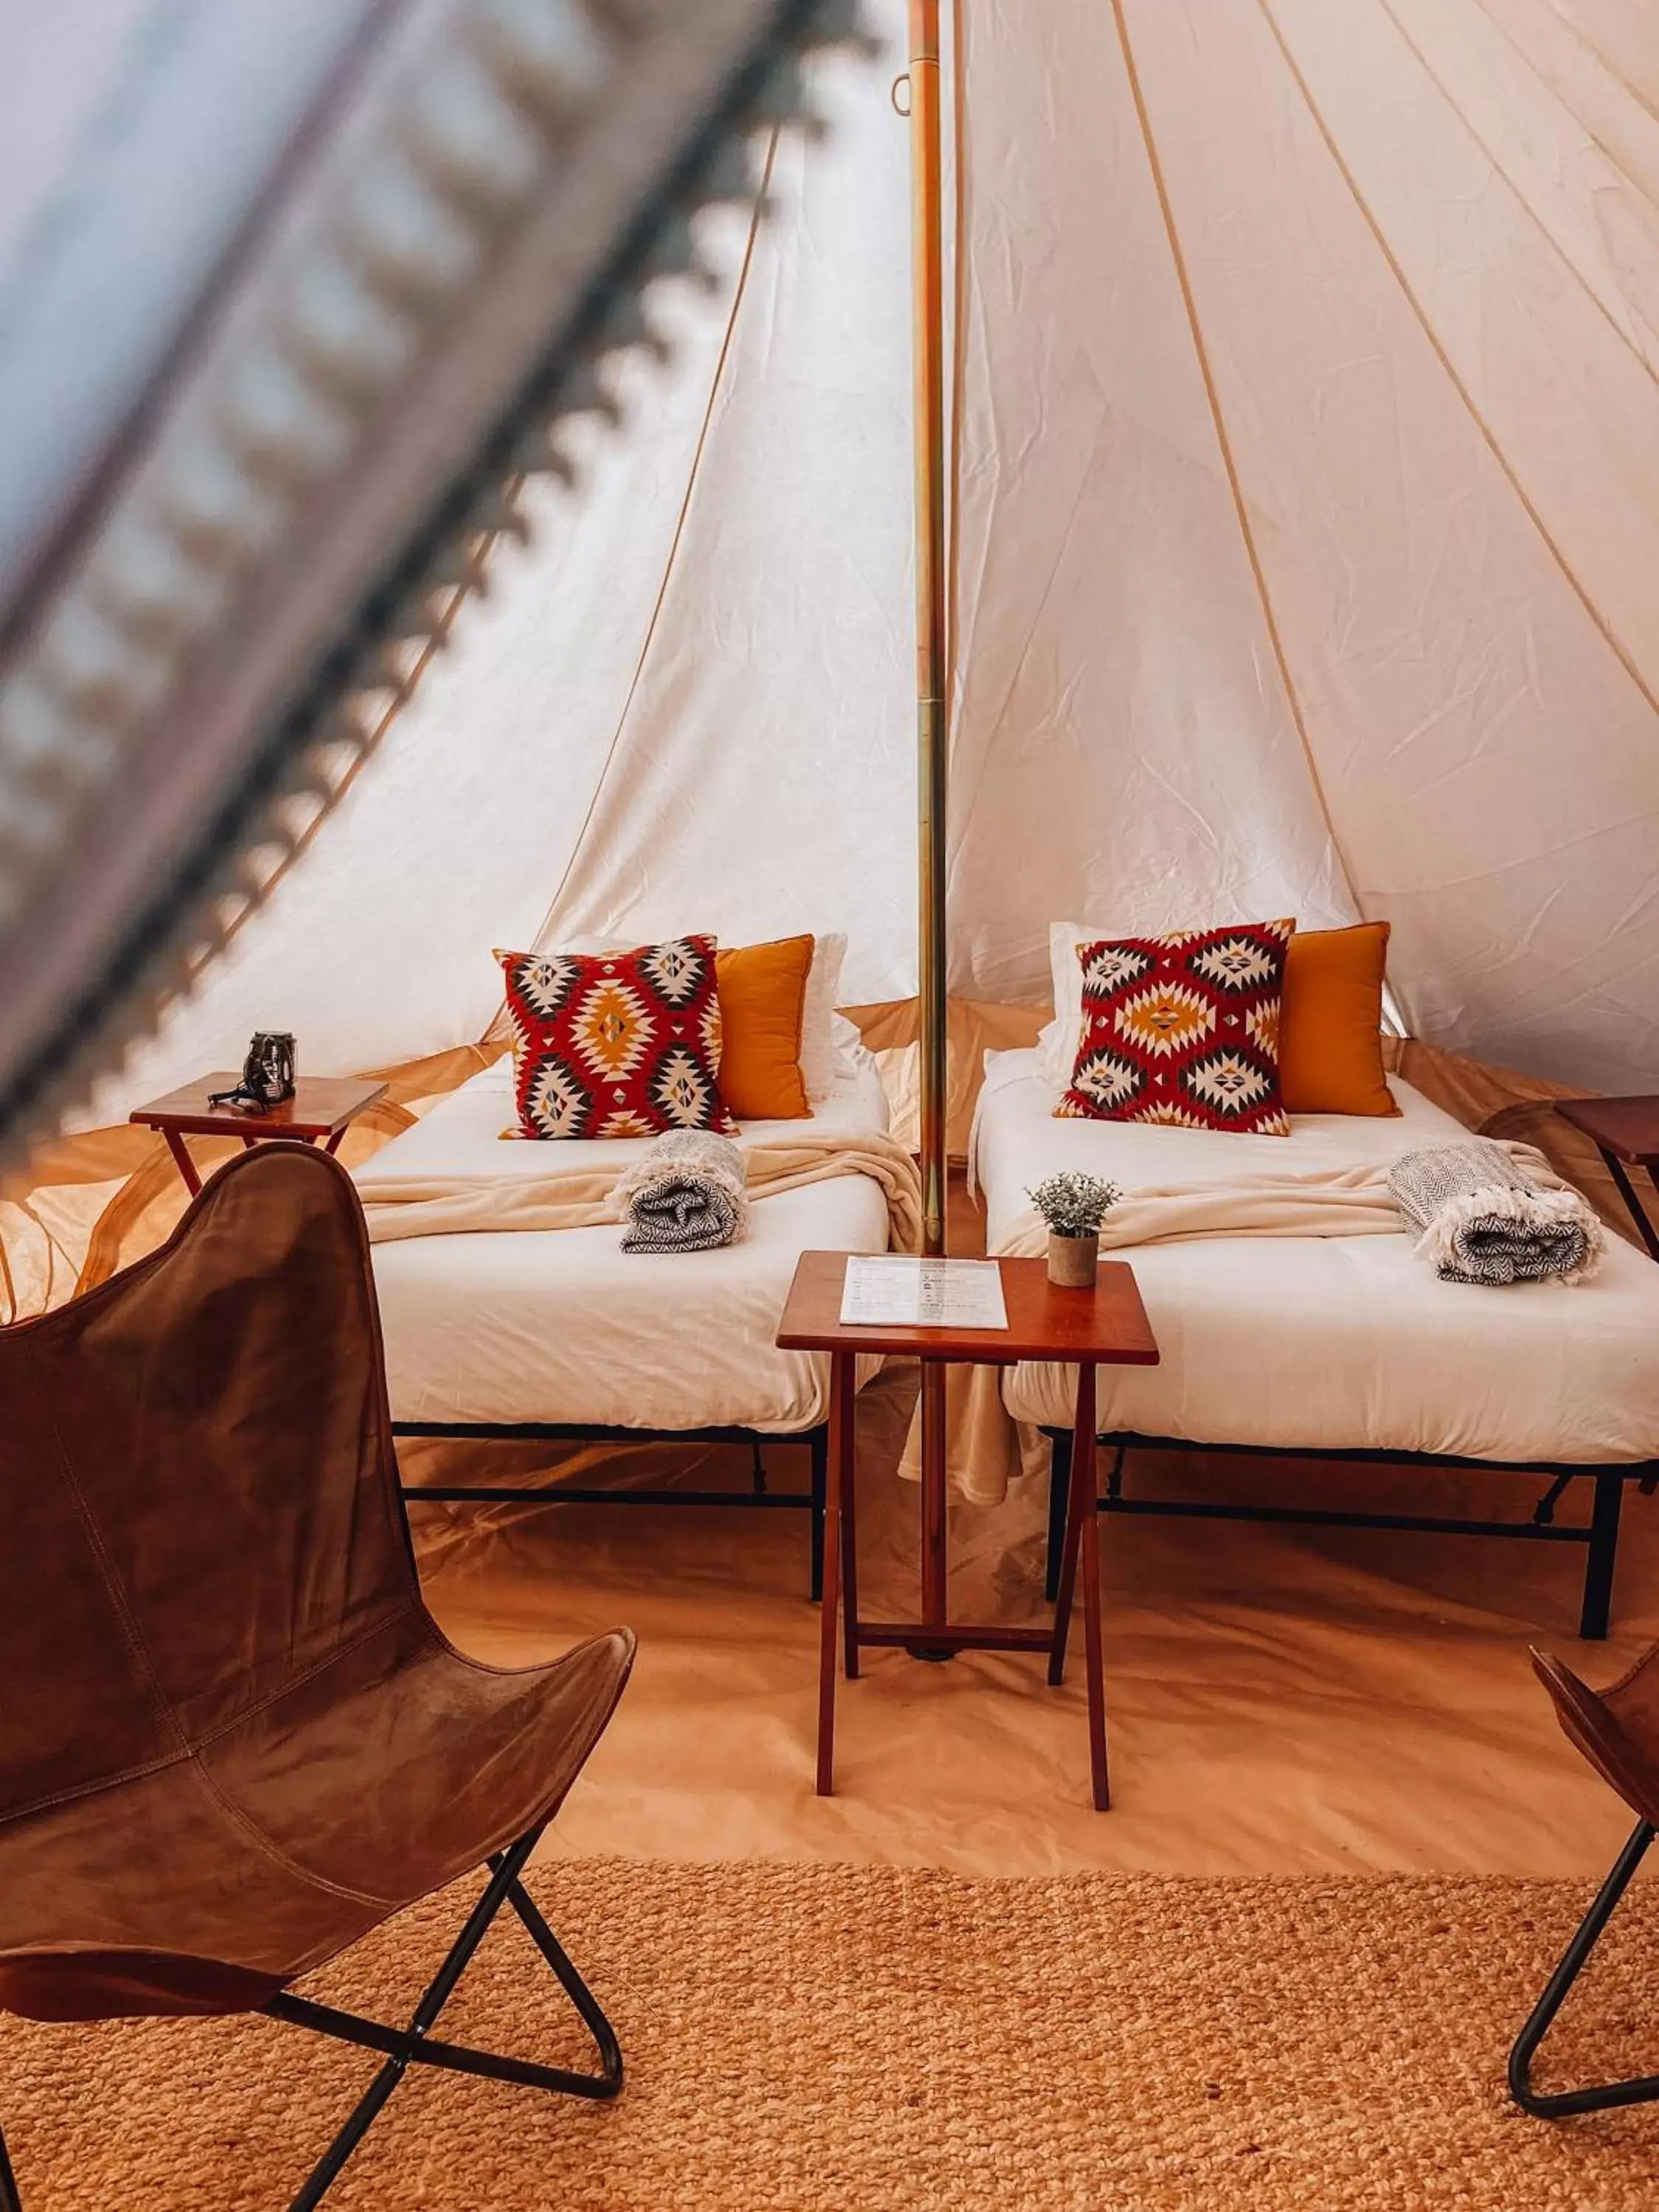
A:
[1332,1348]
[555,1335]
[1339,1346]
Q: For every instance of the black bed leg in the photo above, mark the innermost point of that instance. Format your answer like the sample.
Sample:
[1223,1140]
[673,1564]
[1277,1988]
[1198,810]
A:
[1059,1490]
[819,1442]
[1597,1609]
[10,2199]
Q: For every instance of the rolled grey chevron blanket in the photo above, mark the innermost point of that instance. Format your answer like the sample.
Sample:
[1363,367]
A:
[1483,1217]
[687,1194]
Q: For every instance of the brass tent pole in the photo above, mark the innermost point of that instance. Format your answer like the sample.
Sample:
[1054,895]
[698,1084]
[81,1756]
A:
[927,253]
[928,265]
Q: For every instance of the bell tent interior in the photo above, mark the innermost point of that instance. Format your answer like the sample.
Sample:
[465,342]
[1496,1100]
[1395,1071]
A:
[904,632]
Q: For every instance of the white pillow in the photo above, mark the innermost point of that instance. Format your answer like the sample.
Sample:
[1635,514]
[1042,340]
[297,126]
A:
[1057,1044]
[601,948]
[823,1061]
[1056,1054]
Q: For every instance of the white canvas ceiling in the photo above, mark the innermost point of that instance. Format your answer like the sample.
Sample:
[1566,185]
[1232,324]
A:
[1306,541]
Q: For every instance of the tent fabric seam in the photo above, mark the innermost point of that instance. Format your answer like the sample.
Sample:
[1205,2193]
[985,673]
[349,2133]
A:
[1580,37]
[1602,622]
[739,291]
[1240,507]
[1498,170]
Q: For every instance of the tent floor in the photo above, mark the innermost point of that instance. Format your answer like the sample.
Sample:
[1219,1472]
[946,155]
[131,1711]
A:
[1280,1699]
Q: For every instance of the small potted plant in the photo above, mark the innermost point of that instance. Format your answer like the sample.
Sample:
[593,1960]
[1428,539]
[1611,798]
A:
[1073,1206]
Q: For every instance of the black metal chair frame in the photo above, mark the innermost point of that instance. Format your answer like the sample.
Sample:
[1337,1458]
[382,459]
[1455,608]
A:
[1562,2104]
[1599,1534]
[576,1493]
[414,2045]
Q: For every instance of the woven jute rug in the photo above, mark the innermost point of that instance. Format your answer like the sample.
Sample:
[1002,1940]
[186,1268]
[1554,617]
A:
[883,2040]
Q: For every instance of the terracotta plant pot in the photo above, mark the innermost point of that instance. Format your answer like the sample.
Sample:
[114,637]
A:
[1072,1260]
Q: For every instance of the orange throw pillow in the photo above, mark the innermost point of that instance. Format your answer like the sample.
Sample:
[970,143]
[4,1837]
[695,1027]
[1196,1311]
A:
[762,991]
[1330,1040]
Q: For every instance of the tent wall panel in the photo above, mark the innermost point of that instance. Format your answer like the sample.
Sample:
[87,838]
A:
[763,781]
[1124,747]
[1305,533]
[737,759]
[1490,766]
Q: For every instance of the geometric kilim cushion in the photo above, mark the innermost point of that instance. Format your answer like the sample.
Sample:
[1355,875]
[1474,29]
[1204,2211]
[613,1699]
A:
[1183,1028]
[622,1044]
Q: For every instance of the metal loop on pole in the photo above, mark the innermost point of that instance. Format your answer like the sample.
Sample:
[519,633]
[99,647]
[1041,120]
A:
[904,78]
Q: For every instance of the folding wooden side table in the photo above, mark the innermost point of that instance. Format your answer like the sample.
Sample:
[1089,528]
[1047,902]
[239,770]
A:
[320,1111]
[1106,1326]
[1625,1132]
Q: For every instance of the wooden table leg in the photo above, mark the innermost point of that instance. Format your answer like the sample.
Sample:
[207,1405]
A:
[844,1442]
[935,1499]
[1079,1504]
[841,1400]
[1082,1555]
[180,1151]
[1085,1477]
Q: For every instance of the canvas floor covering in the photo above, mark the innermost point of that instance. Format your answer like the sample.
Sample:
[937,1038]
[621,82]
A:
[1279,1701]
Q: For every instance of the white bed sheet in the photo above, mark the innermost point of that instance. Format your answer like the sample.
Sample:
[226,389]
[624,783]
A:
[1331,1343]
[565,1327]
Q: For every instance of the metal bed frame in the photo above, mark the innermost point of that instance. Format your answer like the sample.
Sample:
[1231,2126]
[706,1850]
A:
[1599,1534]
[758,1494]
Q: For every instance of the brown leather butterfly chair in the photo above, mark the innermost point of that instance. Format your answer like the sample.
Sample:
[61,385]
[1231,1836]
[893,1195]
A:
[1618,1731]
[232,1739]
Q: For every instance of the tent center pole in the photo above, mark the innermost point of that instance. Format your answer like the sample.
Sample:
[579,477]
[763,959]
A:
[932,737]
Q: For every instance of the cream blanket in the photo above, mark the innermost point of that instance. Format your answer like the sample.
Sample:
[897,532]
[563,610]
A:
[569,1195]
[985,1449]
[1350,1201]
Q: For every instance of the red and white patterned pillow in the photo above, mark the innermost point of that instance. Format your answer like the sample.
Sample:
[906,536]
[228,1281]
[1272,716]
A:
[619,1044]
[1183,1028]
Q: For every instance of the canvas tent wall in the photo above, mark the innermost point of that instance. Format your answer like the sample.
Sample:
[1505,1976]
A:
[1307,494]
[1303,539]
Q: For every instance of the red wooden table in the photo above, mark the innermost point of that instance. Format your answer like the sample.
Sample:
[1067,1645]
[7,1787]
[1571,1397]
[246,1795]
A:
[1625,1132]
[1106,1326]
[320,1111]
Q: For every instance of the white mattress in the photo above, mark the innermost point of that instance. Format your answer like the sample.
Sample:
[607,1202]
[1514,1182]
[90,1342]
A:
[565,1327]
[1334,1343]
